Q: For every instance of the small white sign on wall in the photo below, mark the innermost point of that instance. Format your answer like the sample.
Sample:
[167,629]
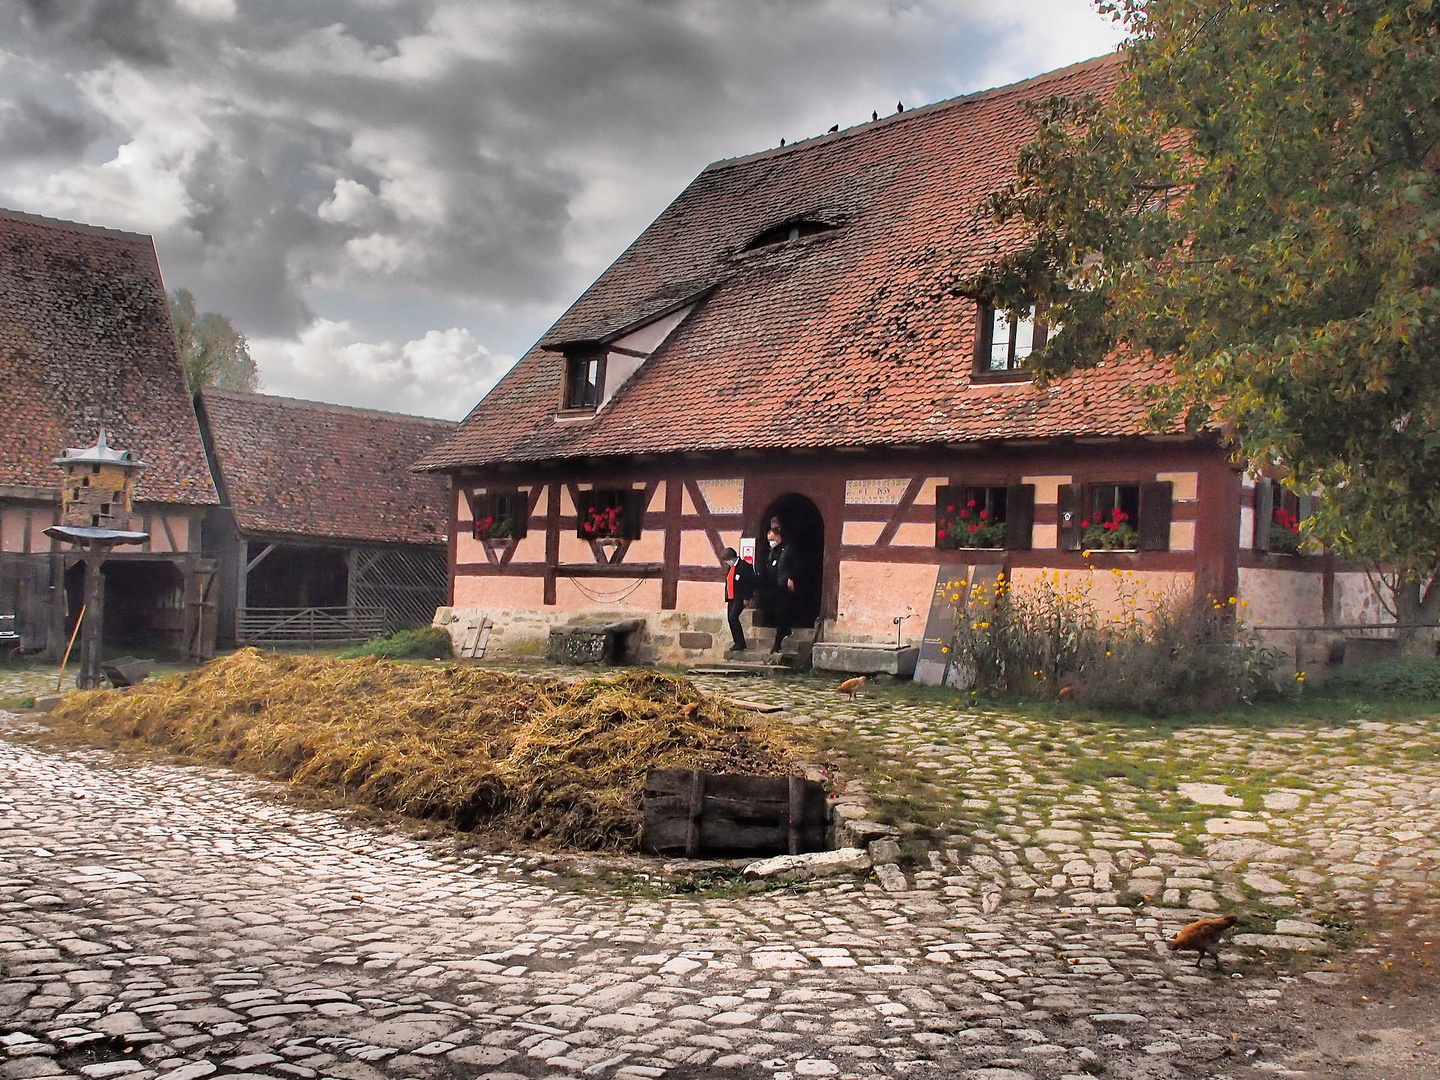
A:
[723,496]
[876,492]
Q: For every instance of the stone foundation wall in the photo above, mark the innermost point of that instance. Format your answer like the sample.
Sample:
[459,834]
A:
[672,638]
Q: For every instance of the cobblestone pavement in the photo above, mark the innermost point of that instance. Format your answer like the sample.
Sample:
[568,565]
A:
[1303,823]
[162,921]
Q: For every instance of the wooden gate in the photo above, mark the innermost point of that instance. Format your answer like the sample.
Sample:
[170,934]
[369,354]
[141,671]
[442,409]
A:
[201,610]
[690,813]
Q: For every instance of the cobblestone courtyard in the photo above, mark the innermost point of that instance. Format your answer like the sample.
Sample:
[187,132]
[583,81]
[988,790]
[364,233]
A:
[182,922]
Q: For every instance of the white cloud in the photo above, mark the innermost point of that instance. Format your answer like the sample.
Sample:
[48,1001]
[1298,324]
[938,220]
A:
[441,373]
[209,9]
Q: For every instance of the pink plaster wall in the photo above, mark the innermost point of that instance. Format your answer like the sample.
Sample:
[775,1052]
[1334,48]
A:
[872,594]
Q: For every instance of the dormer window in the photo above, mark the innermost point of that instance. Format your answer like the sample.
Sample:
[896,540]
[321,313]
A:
[1004,341]
[790,230]
[584,376]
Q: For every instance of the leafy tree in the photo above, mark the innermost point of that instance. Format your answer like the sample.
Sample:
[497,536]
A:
[213,351]
[1258,203]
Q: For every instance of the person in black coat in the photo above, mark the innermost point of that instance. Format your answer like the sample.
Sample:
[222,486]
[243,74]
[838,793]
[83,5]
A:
[782,573]
[739,588]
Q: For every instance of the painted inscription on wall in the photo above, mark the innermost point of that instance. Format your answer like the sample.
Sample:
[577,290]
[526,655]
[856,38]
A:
[876,492]
[723,496]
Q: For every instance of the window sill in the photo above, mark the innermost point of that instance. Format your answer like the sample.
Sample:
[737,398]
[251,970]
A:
[981,378]
[567,415]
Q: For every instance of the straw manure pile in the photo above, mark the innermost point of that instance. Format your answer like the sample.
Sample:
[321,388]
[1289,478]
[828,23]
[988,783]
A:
[525,759]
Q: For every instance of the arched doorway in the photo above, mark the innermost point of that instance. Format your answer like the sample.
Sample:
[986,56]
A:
[804,528]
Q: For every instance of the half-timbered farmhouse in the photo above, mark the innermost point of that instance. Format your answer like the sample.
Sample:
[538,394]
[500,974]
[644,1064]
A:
[324,533]
[85,340]
[790,340]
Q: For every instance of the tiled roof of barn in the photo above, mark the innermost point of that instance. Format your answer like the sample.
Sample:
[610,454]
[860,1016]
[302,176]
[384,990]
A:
[85,332]
[852,336]
[303,468]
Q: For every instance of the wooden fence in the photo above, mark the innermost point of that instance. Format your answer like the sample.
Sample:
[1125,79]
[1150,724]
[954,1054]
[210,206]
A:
[269,625]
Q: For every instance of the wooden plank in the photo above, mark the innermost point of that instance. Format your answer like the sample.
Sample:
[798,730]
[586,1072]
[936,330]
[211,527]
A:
[696,813]
[797,812]
[697,804]
[752,706]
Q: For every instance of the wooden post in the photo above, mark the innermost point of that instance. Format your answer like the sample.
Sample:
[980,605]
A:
[697,799]
[797,812]
[90,632]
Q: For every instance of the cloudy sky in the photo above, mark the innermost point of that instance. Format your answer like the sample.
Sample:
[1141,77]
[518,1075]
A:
[394,198]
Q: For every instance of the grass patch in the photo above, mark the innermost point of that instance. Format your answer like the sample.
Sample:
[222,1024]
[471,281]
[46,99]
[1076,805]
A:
[525,760]
[425,643]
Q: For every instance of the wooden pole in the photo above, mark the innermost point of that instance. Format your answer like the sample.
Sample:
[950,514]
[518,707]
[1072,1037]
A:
[60,675]
[90,640]
[797,812]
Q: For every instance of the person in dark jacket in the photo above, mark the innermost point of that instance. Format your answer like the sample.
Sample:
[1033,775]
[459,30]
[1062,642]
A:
[739,588]
[783,570]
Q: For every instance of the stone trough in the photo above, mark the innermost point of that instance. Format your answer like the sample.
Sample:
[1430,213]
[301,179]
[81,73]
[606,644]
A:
[865,658]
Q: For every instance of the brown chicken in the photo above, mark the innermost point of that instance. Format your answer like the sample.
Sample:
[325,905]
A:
[689,711]
[850,686]
[1203,936]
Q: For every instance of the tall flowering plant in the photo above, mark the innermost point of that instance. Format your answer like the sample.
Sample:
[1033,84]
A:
[968,525]
[1108,531]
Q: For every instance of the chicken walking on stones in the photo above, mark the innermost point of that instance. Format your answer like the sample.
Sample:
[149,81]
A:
[1203,936]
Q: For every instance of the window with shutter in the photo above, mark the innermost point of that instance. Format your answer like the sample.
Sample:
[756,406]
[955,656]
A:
[971,516]
[610,514]
[501,515]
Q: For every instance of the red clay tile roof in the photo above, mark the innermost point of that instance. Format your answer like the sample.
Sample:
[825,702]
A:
[303,468]
[85,326]
[847,337]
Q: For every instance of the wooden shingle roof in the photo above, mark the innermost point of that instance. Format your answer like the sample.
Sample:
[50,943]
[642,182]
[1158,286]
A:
[85,335]
[852,336]
[307,469]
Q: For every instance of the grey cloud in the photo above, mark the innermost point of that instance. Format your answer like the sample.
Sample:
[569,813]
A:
[132,30]
[489,156]
[31,129]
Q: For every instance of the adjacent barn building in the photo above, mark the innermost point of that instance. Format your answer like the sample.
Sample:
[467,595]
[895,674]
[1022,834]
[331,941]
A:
[792,340]
[323,533]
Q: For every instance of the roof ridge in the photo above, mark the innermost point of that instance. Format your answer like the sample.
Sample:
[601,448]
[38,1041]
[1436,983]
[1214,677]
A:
[320,406]
[867,126]
[72,226]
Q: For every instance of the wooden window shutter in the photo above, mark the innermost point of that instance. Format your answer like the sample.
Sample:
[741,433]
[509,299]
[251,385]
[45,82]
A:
[946,497]
[1306,508]
[635,499]
[583,502]
[1155,500]
[1019,516]
[1069,512]
[1264,512]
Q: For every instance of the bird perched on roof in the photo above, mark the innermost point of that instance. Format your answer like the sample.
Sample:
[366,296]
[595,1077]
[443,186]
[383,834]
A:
[850,686]
[1203,936]
[874,114]
[833,128]
[782,144]
[899,106]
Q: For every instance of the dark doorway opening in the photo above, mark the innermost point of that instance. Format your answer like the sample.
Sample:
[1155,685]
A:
[144,604]
[803,528]
[299,577]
